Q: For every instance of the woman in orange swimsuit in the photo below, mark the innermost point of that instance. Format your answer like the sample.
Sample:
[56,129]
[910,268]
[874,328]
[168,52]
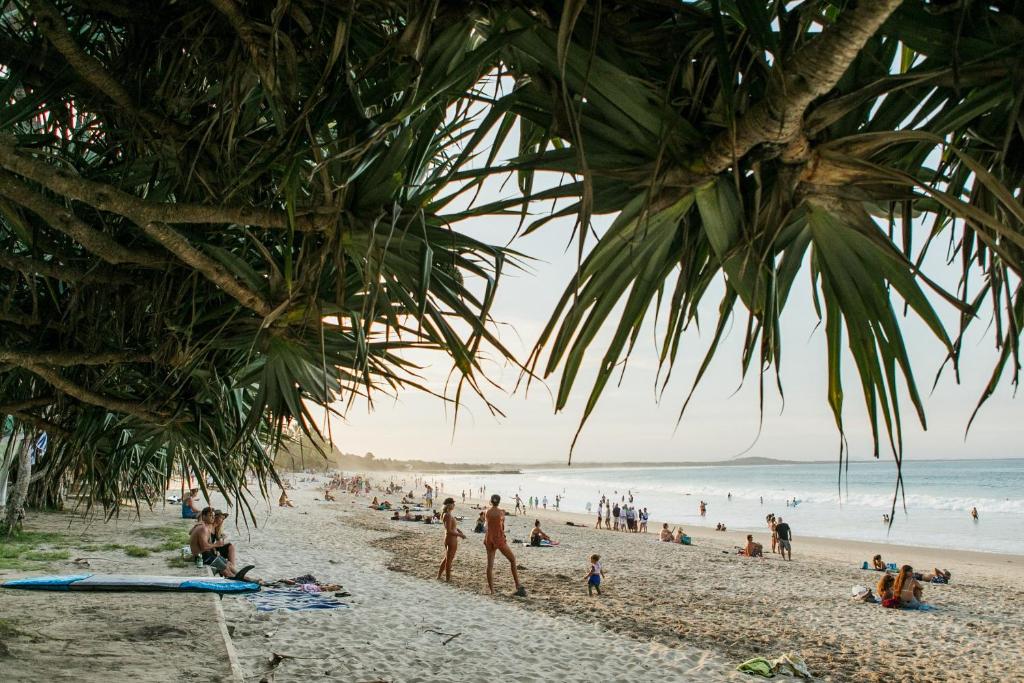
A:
[494,541]
[452,534]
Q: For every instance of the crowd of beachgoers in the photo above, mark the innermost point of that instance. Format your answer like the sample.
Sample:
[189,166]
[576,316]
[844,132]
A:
[415,501]
[595,563]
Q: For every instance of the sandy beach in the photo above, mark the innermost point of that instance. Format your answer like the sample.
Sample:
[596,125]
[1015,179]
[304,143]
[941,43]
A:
[668,612]
[83,637]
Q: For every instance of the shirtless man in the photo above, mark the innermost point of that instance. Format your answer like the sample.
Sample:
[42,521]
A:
[452,534]
[199,542]
[494,541]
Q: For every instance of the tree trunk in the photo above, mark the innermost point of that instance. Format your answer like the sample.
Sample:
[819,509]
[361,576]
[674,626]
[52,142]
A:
[16,504]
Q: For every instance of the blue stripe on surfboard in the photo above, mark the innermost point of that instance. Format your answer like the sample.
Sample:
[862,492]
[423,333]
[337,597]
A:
[141,582]
[53,583]
[219,587]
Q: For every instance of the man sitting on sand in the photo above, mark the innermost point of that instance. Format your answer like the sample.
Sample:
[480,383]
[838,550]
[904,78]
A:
[877,564]
[189,509]
[753,549]
[494,541]
[199,543]
[284,502]
[536,535]
[328,495]
[666,535]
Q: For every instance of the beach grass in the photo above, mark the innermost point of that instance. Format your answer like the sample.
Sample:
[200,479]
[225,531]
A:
[46,555]
[136,551]
[178,562]
[171,537]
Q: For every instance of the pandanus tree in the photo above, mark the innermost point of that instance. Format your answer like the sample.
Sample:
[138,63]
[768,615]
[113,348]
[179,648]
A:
[213,215]
[213,219]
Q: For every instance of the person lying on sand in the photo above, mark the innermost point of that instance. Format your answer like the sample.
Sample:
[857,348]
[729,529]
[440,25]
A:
[283,501]
[936,575]
[536,535]
[877,564]
[452,534]
[199,543]
[495,541]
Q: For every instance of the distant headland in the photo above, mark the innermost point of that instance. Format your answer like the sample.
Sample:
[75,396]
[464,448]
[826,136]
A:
[303,455]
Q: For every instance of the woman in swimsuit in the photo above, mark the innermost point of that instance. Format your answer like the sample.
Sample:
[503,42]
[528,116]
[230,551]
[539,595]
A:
[906,589]
[494,542]
[452,534]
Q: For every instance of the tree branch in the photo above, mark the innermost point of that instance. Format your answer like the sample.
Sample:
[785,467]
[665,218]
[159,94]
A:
[69,358]
[243,27]
[66,222]
[65,273]
[177,244]
[92,398]
[39,423]
[108,198]
[778,118]
[27,404]
[52,25]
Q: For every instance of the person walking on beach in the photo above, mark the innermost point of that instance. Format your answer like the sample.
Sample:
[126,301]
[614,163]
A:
[545,502]
[600,511]
[495,541]
[452,534]
[594,576]
[519,505]
[785,539]
[703,509]
[607,515]
[974,514]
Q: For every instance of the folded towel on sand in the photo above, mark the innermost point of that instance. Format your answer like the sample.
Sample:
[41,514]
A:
[789,664]
[292,600]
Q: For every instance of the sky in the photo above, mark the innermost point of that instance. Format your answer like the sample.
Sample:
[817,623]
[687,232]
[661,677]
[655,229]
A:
[723,421]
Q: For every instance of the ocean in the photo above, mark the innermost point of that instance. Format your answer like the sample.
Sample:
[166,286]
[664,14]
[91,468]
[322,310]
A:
[939,497]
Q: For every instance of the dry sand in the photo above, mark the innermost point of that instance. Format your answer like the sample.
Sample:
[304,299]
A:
[669,612]
[83,637]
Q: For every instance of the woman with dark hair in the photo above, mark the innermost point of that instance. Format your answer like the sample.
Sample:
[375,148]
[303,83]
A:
[452,534]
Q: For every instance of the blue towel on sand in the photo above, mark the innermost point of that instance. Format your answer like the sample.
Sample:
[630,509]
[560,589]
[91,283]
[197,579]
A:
[292,600]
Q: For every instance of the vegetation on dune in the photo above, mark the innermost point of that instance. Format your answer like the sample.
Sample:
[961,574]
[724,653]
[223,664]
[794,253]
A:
[213,215]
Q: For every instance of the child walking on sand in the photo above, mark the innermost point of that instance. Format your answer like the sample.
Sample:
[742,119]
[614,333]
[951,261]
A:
[593,577]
